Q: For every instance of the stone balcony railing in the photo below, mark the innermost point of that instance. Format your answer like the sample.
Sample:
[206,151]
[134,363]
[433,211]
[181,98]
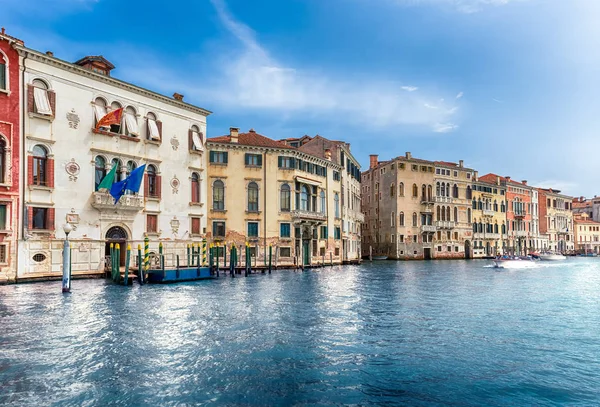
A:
[103,200]
[521,233]
[443,199]
[308,215]
[444,224]
[486,235]
[520,214]
[488,212]
[428,228]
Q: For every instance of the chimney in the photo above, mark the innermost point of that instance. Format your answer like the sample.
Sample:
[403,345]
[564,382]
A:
[461,163]
[374,160]
[3,31]
[234,132]
[524,182]
[476,176]
[497,180]
[50,53]
[178,96]
[507,179]
[408,155]
[251,131]
[328,154]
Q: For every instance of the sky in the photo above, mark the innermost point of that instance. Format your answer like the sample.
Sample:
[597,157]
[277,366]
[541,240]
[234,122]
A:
[508,86]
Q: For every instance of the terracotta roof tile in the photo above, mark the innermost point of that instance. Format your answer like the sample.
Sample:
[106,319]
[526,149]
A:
[251,139]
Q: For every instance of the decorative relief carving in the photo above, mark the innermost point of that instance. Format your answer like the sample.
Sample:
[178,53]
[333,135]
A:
[175,184]
[174,143]
[175,225]
[73,169]
[73,119]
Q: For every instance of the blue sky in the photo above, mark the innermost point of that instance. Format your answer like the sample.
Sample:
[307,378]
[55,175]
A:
[509,86]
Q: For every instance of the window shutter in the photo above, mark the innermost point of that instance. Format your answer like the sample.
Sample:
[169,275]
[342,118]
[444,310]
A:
[30,100]
[225,158]
[52,100]
[211,156]
[50,220]
[158,186]
[146,185]
[50,173]
[293,162]
[159,125]
[190,141]
[30,170]
[246,158]
[260,160]
[29,218]
[196,226]
[280,161]
[194,191]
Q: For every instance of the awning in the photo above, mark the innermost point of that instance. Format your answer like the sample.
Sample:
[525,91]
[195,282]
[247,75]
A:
[308,181]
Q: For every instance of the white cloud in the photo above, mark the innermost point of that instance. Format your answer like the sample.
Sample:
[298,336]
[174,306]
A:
[497,101]
[255,79]
[463,6]
[460,94]
[444,127]
[556,184]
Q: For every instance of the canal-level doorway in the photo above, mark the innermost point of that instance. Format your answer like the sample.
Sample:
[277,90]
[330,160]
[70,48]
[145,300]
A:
[427,253]
[114,235]
[468,254]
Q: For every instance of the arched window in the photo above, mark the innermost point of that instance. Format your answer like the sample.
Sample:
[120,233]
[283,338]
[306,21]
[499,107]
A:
[474,227]
[131,124]
[414,219]
[479,204]
[2,153]
[443,193]
[153,129]
[443,213]
[437,189]
[495,206]
[218,195]
[253,197]
[401,189]
[495,228]
[429,193]
[152,184]
[392,192]
[3,72]
[448,189]
[131,165]
[423,192]
[469,192]
[323,202]
[99,110]
[448,213]
[118,175]
[304,198]
[415,191]
[468,215]
[480,228]
[196,139]
[100,170]
[40,165]
[195,187]
[438,217]
[285,198]
[41,101]
[455,191]
[115,128]
[393,219]
[502,207]
[455,214]
[401,218]
[336,201]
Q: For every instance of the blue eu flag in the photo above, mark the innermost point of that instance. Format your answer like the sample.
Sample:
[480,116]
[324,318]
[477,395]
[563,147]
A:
[133,183]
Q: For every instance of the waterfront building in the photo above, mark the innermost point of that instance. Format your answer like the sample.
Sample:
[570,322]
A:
[489,217]
[536,240]
[10,147]
[351,214]
[267,193]
[591,207]
[518,213]
[586,234]
[453,214]
[66,157]
[556,220]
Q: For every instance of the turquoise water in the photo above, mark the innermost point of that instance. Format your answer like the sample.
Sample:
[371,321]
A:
[411,333]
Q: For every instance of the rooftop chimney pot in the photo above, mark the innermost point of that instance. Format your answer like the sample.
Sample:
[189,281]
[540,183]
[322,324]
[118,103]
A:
[524,182]
[234,132]
[50,53]
[374,160]
[178,96]
[461,163]
[408,154]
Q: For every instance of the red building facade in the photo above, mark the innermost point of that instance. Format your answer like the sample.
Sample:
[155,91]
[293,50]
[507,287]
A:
[10,170]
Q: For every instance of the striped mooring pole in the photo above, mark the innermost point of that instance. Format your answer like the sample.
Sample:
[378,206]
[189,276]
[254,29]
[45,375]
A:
[204,252]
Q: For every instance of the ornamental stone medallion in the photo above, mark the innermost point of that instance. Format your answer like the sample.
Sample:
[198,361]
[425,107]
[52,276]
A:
[175,225]
[72,168]
[175,184]
[73,119]
[174,143]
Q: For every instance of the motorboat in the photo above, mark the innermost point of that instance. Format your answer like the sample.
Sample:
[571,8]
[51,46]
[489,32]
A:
[549,256]
[508,262]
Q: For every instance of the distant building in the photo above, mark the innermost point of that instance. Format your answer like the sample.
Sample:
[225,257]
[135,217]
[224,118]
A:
[556,220]
[590,207]
[10,151]
[489,208]
[587,234]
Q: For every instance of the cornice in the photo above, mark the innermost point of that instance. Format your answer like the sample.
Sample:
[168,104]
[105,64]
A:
[67,66]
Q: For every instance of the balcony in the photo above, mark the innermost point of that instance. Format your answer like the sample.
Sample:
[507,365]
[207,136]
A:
[487,236]
[521,233]
[428,229]
[520,214]
[488,212]
[444,224]
[359,217]
[563,231]
[102,200]
[443,199]
[308,215]
[427,200]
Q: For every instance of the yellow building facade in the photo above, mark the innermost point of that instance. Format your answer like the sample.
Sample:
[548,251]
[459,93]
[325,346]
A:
[489,218]
[270,194]
[587,234]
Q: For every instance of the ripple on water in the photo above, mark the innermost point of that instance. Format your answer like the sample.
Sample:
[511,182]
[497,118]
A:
[419,334]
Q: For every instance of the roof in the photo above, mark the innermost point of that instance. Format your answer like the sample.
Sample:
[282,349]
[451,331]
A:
[94,58]
[493,177]
[451,165]
[581,221]
[584,204]
[253,139]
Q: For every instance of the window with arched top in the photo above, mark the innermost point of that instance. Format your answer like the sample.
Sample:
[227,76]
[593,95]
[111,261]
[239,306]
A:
[131,124]
[218,195]
[195,187]
[415,191]
[495,228]
[152,178]
[196,139]
[336,202]
[392,192]
[438,189]
[469,192]
[443,190]
[253,197]
[285,198]
[304,198]
[119,176]
[3,72]
[423,192]
[41,98]
[468,215]
[3,158]
[99,170]
[438,213]
[99,110]
[455,214]
[401,189]
[115,128]
[323,202]
[153,127]
[448,213]
[414,219]
[443,213]
[429,193]
[448,189]
[455,191]
[40,165]
[401,218]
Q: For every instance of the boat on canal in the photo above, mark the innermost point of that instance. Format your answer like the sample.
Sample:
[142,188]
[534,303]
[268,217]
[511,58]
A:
[514,262]
[550,256]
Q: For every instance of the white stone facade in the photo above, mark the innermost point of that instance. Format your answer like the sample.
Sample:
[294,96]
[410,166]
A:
[167,209]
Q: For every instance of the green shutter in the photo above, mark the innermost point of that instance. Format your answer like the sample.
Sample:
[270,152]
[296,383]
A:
[293,163]
[246,159]
[2,76]
[260,160]
[225,157]
[2,217]
[212,157]
[280,161]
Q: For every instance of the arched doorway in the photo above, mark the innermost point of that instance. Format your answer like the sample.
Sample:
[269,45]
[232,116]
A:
[114,235]
[488,249]
[468,249]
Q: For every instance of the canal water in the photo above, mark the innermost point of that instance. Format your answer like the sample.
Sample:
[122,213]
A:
[443,333]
